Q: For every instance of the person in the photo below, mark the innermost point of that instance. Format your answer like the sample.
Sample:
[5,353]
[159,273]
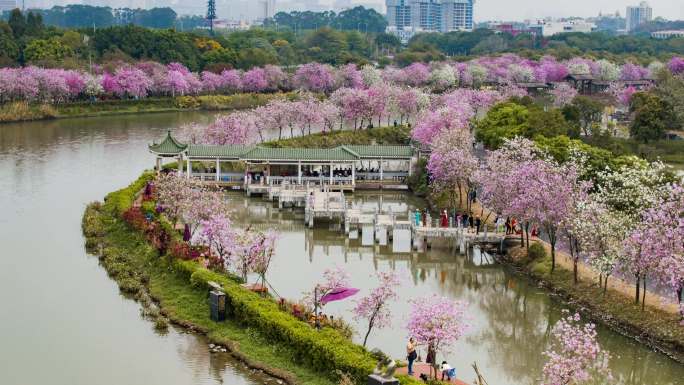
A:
[459,219]
[478,222]
[471,221]
[411,354]
[430,359]
[417,217]
[465,220]
[447,371]
[444,220]
[425,218]
[508,225]
[499,224]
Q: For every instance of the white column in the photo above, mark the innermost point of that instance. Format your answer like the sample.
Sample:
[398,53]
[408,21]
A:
[331,174]
[381,177]
[180,164]
[218,170]
[299,172]
[353,174]
[189,169]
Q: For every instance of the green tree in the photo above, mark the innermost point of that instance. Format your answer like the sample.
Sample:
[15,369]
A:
[585,112]
[325,45]
[653,116]
[155,17]
[34,24]
[504,121]
[255,57]
[40,50]
[17,22]
[9,50]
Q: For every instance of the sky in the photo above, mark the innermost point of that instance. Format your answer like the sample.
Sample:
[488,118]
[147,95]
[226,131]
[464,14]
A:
[484,9]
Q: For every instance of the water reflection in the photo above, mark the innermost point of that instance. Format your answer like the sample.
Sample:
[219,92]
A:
[63,321]
[511,318]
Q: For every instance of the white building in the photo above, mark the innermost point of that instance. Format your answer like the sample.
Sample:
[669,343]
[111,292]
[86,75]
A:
[667,34]
[638,15]
[430,15]
[8,5]
[552,27]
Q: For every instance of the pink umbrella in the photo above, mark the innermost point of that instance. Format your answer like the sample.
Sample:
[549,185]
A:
[338,294]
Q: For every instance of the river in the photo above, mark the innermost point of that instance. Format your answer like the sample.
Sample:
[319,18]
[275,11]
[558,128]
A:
[63,320]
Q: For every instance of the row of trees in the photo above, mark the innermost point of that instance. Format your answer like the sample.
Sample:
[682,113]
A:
[564,45]
[150,78]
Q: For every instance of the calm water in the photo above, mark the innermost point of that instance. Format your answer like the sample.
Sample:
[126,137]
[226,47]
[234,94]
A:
[64,322]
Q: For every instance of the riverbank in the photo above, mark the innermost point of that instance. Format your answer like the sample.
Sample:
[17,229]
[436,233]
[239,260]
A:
[656,326]
[257,331]
[22,111]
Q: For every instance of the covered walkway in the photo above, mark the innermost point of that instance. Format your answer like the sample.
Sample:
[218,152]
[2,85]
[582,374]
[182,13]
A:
[342,167]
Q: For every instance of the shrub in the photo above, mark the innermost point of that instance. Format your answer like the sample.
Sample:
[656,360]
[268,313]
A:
[118,202]
[536,252]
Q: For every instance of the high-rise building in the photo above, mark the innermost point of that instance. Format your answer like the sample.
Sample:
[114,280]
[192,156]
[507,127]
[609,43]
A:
[7,5]
[638,15]
[430,15]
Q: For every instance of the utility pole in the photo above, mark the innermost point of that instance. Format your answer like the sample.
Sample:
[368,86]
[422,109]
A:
[211,14]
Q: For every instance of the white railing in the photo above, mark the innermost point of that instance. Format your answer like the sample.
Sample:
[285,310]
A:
[386,175]
[278,180]
[223,177]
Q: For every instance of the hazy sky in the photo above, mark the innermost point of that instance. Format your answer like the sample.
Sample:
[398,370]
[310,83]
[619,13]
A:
[484,9]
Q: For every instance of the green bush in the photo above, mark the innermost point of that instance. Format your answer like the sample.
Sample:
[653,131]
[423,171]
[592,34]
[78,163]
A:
[320,350]
[536,252]
[118,202]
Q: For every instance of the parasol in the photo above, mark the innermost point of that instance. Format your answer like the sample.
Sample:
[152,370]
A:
[338,294]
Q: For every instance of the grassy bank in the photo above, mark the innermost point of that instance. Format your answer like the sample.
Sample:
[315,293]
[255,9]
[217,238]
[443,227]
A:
[22,111]
[654,327]
[257,331]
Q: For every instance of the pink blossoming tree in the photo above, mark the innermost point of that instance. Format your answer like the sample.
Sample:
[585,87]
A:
[574,356]
[438,322]
[374,308]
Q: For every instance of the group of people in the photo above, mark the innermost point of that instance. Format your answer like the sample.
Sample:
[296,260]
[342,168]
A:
[431,359]
[465,220]
[512,227]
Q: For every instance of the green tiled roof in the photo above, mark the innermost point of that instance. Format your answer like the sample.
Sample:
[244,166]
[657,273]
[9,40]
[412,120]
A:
[171,146]
[381,151]
[306,154]
[168,146]
[206,151]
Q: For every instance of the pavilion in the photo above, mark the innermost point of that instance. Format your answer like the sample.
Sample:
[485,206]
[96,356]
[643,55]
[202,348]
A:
[239,165]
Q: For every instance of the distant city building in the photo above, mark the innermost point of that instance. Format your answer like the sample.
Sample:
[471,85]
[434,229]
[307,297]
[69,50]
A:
[268,10]
[8,5]
[407,17]
[638,15]
[667,34]
[510,27]
[552,27]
